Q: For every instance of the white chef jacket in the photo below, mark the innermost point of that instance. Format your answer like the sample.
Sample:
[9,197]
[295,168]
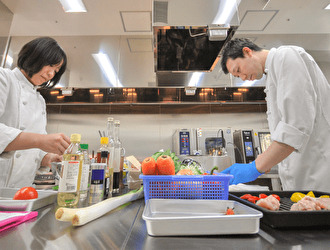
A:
[22,108]
[298,113]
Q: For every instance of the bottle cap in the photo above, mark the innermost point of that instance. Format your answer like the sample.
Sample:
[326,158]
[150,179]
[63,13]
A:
[117,122]
[84,146]
[75,138]
[104,140]
[110,119]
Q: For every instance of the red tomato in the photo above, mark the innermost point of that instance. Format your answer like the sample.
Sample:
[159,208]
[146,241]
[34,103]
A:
[262,196]
[276,196]
[26,193]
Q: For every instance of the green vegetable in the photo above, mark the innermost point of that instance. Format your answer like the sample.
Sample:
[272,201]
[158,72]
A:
[193,165]
[214,168]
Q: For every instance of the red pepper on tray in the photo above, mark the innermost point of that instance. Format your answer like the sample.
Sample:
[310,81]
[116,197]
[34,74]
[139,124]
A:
[253,199]
[276,196]
[263,196]
[245,196]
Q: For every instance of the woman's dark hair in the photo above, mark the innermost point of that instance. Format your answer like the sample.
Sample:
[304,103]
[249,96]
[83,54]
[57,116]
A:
[234,49]
[40,52]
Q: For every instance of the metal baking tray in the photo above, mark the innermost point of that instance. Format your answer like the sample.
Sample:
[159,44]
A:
[284,218]
[168,217]
[45,197]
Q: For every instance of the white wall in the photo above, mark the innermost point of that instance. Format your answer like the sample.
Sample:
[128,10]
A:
[142,135]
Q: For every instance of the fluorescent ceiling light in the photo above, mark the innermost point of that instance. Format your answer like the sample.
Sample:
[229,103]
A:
[328,7]
[107,68]
[73,5]
[226,11]
[195,79]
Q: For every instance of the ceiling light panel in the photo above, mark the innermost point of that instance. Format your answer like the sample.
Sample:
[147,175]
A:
[136,21]
[73,5]
[256,20]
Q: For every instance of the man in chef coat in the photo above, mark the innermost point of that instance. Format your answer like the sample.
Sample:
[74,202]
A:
[24,144]
[298,113]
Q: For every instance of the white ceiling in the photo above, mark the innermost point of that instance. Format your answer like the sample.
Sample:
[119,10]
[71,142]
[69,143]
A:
[123,29]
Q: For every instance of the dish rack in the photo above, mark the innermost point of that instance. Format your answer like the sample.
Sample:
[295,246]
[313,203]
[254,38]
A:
[204,187]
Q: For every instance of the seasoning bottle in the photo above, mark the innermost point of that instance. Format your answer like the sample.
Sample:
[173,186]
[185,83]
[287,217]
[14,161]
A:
[116,158]
[97,183]
[85,174]
[70,176]
[104,141]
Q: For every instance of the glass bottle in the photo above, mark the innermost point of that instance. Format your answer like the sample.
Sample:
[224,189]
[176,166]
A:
[70,176]
[110,132]
[116,158]
[85,174]
[103,157]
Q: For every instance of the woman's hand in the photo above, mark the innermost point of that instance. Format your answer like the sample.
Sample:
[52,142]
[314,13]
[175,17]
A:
[52,143]
[49,158]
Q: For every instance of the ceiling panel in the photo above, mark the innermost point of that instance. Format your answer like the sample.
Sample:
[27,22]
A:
[256,20]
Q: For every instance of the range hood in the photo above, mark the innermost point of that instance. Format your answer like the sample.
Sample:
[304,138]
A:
[188,36]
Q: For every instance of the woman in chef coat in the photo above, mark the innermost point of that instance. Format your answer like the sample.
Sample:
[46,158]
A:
[298,113]
[24,144]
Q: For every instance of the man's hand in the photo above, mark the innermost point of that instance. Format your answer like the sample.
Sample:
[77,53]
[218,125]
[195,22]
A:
[242,172]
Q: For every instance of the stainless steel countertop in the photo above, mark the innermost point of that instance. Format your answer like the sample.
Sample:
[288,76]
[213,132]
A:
[124,228]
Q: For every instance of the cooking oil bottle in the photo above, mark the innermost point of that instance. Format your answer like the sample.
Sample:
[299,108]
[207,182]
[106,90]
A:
[70,176]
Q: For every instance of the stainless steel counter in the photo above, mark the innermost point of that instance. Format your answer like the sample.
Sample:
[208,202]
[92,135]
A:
[124,228]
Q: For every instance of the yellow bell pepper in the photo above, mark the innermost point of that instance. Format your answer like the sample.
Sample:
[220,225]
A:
[311,194]
[324,196]
[297,196]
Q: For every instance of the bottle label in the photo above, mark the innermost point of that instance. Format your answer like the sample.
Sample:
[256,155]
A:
[84,177]
[97,186]
[69,177]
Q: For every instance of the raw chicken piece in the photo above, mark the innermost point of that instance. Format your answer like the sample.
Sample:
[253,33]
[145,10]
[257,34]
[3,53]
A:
[307,204]
[324,203]
[270,203]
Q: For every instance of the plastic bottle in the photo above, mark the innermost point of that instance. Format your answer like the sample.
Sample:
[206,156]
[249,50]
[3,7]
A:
[85,174]
[70,176]
[116,158]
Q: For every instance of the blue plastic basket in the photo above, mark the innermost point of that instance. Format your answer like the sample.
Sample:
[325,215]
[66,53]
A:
[206,187]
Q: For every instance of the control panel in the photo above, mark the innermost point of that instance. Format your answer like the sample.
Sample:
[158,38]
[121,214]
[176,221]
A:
[184,140]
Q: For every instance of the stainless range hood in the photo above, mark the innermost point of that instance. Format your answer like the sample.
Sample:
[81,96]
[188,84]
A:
[189,35]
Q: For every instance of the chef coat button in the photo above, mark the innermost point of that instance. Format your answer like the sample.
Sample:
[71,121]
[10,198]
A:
[43,112]
[18,155]
[24,102]
[268,112]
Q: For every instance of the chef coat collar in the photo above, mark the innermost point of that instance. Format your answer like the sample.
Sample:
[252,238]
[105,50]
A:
[21,77]
[269,59]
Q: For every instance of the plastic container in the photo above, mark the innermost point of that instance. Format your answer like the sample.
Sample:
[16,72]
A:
[204,187]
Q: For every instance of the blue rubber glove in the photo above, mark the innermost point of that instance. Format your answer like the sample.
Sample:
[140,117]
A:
[242,172]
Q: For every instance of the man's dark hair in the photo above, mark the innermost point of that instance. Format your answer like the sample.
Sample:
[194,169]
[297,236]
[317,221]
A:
[40,52]
[234,49]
